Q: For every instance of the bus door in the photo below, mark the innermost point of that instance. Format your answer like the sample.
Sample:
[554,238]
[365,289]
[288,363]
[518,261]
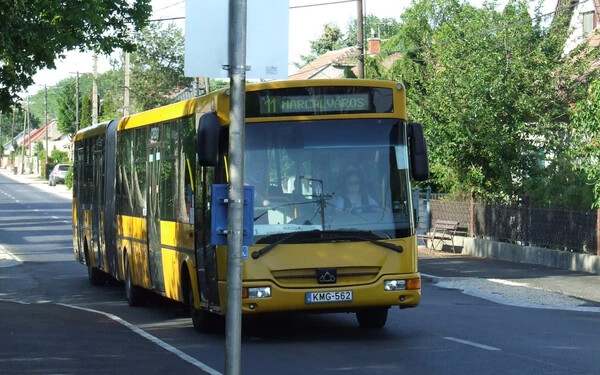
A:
[97,209]
[153,217]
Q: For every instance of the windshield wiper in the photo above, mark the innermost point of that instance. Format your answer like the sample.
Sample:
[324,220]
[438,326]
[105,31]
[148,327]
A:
[390,246]
[356,235]
[261,252]
[351,236]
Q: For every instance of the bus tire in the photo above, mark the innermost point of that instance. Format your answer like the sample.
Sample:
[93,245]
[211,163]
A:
[372,318]
[135,295]
[203,321]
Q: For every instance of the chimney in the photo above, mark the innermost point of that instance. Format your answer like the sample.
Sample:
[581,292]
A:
[374,43]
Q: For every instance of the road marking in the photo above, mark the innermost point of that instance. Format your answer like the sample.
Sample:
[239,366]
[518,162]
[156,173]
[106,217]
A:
[151,338]
[8,259]
[508,282]
[471,343]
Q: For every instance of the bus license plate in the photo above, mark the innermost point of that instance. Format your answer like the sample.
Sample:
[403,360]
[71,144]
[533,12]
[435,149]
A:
[327,297]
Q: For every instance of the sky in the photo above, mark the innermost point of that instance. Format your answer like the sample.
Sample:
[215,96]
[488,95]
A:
[305,24]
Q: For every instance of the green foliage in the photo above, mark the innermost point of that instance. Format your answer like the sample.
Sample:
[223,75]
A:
[69,178]
[383,28]
[85,117]
[585,132]
[332,39]
[157,66]
[34,33]
[39,151]
[488,100]
[61,157]
[66,106]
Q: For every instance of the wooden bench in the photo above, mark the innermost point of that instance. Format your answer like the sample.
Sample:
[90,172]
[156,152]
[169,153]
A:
[442,230]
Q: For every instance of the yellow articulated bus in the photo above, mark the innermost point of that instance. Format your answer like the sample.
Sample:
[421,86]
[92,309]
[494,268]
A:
[329,163]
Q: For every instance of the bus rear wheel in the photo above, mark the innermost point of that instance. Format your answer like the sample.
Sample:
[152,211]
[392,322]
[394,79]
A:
[95,276]
[372,318]
[135,295]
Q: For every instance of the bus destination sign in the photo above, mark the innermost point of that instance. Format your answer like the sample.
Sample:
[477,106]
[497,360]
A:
[318,101]
[310,104]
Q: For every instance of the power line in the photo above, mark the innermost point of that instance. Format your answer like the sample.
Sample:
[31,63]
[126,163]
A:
[321,4]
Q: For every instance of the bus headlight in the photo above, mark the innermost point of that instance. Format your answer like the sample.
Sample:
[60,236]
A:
[390,285]
[258,292]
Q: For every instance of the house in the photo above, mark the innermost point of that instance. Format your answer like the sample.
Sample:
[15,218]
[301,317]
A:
[330,65]
[583,24]
[340,63]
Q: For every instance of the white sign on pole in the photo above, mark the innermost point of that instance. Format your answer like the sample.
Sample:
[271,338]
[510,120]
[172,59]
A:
[207,38]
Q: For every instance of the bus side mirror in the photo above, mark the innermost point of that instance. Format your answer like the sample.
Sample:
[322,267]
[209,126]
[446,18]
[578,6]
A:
[419,164]
[207,140]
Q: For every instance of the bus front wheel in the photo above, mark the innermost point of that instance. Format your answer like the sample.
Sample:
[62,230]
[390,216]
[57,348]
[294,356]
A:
[372,318]
[203,320]
[134,294]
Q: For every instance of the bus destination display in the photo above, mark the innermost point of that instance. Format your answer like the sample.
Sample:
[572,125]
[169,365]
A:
[318,101]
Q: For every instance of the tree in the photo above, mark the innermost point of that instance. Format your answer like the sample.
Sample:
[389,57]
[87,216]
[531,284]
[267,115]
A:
[585,131]
[66,106]
[332,39]
[157,66]
[85,118]
[484,84]
[34,33]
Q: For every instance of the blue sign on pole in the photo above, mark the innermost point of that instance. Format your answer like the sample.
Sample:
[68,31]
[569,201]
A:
[219,204]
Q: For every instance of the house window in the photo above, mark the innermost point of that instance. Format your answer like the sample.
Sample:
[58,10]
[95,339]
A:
[588,23]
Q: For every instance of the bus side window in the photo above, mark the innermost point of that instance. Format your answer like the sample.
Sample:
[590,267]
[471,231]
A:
[167,172]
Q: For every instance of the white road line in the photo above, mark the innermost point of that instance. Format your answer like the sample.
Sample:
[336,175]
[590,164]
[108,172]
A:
[8,259]
[151,338]
[471,343]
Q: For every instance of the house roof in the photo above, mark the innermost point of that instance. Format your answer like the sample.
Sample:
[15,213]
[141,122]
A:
[337,58]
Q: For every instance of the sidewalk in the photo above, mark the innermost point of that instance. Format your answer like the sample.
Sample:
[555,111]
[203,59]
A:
[511,283]
[41,184]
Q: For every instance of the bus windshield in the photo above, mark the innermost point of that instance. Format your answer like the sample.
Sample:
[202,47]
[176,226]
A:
[332,175]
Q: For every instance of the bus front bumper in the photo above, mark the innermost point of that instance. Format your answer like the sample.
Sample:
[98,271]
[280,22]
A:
[330,298]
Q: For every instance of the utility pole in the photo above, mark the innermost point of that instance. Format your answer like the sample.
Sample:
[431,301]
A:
[360,39]
[235,210]
[12,137]
[29,136]
[206,85]
[127,70]
[23,144]
[76,102]
[46,122]
[95,92]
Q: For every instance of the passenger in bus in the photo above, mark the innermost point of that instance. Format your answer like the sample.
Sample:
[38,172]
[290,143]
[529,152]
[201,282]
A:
[353,197]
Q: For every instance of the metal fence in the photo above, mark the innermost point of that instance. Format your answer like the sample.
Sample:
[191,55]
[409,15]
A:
[550,228]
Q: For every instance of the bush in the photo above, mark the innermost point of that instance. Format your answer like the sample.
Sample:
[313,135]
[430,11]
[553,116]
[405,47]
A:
[69,178]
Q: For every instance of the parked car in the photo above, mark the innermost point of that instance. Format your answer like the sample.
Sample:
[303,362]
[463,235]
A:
[58,174]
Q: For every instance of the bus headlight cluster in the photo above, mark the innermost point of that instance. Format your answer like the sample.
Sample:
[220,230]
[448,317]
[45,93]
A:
[257,292]
[390,285]
[410,284]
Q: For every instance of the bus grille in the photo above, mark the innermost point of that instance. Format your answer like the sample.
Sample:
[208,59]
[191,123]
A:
[307,277]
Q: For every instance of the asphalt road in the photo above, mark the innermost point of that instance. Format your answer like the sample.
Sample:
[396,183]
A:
[478,330]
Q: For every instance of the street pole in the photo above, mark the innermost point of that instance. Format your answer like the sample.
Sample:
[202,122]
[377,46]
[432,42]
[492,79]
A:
[23,144]
[237,73]
[29,136]
[12,138]
[360,39]
[127,71]
[77,102]
[46,122]
[95,92]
